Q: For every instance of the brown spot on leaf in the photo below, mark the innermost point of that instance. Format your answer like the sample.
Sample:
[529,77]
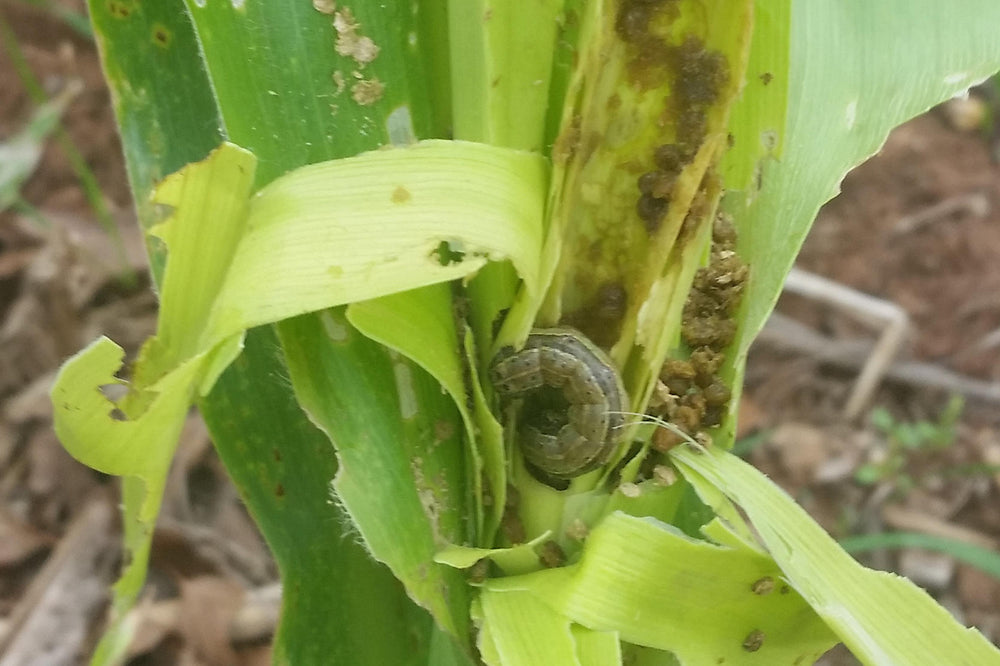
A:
[350,43]
[753,641]
[161,35]
[367,91]
[401,195]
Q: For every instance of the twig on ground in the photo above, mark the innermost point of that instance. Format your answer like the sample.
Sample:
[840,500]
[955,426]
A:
[782,331]
[985,343]
[254,622]
[903,519]
[975,204]
[54,618]
[258,617]
[228,556]
[888,316]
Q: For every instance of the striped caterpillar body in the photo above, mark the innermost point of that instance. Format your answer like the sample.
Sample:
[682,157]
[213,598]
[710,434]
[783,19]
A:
[572,398]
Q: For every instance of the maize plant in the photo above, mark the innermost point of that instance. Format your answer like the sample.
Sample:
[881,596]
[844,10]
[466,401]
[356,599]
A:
[464,291]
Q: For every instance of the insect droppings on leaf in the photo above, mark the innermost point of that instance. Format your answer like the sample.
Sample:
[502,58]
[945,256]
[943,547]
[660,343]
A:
[350,43]
[753,641]
[367,91]
[763,585]
[551,555]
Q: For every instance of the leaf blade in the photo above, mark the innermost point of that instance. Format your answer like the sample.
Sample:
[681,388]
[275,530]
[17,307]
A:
[862,606]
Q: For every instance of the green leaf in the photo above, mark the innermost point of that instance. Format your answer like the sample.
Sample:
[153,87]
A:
[855,70]
[338,604]
[501,63]
[420,324]
[501,69]
[296,89]
[402,479]
[863,607]
[148,52]
[311,112]
[882,419]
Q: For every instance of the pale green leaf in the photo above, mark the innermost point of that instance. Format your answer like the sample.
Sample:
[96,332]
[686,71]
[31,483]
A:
[597,648]
[489,446]
[203,304]
[199,254]
[881,617]
[420,324]
[96,433]
[362,227]
[148,53]
[135,437]
[659,588]
[525,630]
[516,559]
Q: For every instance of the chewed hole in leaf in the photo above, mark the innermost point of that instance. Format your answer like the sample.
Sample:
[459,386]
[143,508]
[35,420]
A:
[115,393]
[447,253]
[161,212]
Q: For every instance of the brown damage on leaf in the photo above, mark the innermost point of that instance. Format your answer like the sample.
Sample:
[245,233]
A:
[162,36]
[360,48]
[350,43]
[324,6]
[367,91]
[339,82]
[655,78]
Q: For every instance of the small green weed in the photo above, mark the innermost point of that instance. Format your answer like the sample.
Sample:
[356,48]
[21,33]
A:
[903,440]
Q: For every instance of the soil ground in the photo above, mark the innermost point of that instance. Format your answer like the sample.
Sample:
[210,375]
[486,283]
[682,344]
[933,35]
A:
[918,225]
